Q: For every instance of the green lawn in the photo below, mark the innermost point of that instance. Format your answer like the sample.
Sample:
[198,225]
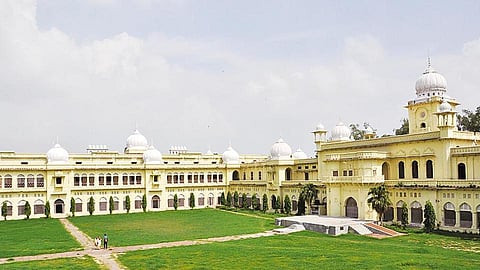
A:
[310,250]
[34,236]
[166,226]
[84,263]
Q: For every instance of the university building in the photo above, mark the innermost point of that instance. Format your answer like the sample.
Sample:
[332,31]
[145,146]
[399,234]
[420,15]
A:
[434,162]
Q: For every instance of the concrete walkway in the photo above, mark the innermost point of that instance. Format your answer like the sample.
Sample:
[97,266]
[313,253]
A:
[107,257]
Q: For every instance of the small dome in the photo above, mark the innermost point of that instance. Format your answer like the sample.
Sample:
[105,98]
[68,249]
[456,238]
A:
[230,156]
[152,156]
[137,141]
[280,150]
[341,132]
[320,127]
[57,155]
[430,83]
[445,107]
[299,154]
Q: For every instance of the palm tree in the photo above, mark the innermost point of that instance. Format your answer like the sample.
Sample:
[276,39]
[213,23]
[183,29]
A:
[379,200]
[309,193]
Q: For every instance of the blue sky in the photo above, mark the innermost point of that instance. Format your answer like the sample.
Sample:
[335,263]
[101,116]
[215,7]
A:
[206,73]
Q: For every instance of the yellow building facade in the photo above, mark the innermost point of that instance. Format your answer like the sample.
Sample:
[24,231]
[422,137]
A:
[434,162]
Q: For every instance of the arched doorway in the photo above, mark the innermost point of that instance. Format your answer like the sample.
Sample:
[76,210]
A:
[155,202]
[462,171]
[288,174]
[449,214]
[351,209]
[59,206]
[386,171]
[235,175]
[416,213]
[465,216]
[400,210]
[388,215]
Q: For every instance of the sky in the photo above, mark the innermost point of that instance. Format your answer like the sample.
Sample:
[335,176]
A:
[207,74]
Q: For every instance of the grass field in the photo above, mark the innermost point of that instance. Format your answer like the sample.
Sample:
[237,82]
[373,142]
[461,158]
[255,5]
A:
[84,263]
[310,250]
[166,226]
[34,236]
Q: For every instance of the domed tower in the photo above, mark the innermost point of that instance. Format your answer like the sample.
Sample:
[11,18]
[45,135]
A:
[431,91]
[136,143]
[341,132]
[152,156]
[280,150]
[230,156]
[57,155]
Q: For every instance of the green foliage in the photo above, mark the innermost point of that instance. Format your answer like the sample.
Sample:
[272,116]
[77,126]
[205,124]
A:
[309,193]
[191,200]
[287,205]
[144,203]
[72,206]
[47,209]
[28,210]
[222,199]
[469,120]
[110,205]
[229,199]
[379,200]
[244,201]
[235,199]
[91,205]
[127,204]
[278,204]
[4,210]
[264,203]
[175,201]
[255,202]
[429,215]
[404,217]
[404,129]
[301,205]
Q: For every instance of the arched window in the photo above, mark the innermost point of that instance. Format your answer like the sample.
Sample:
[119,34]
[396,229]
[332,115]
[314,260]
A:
[84,180]
[423,125]
[449,214]
[20,181]
[429,169]
[30,180]
[8,181]
[415,169]
[201,199]
[155,202]
[102,204]
[91,179]
[462,171]
[40,180]
[235,175]
[401,170]
[38,207]
[116,203]
[21,207]
[78,205]
[416,213]
[465,216]
[59,206]
[288,174]
[386,171]
[399,210]
[351,209]
[138,202]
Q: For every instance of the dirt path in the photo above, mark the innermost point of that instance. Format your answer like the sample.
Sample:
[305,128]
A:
[107,257]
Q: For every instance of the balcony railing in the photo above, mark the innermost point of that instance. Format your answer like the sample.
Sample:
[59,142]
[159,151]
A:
[434,183]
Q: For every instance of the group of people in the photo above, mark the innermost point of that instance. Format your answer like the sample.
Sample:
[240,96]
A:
[98,241]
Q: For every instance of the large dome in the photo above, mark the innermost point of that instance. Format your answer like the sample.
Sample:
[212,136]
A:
[280,150]
[137,142]
[430,83]
[152,156]
[57,155]
[341,132]
[230,156]
[299,154]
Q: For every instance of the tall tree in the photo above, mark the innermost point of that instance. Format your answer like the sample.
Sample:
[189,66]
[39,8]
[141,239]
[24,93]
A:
[72,206]
[175,201]
[47,209]
[404,217]
[404,129]
[379,200]
[229,199]
[429,215]
[264,203]
[191,200]
[469,121]
[301,205]
[254,202]
[144,203]
[278,204]
[127,204]
[91,205]
[244,201]
[235,199]
[110,205]
[309,193]
[287,205]
[222,199]
[4,210]
[28,210]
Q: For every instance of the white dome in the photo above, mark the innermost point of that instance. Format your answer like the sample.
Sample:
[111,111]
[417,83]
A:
[152,156]
[341,132]
[445,107]
[230,156]
[137,141]
[320,127]
[430,83]
[57,155]
[299,154]
[280,150]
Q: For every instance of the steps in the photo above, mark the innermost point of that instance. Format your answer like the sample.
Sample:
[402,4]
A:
[360,229]
[381,230]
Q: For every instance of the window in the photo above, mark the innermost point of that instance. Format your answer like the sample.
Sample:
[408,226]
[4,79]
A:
[423,125]
[103,204]
[220,178]
[155,178]
[30,180]
[101,180]
[138,203]
[8,181]
[182,178]
[76,180]
[209,177]
[215,178]
[38,208]
[58,181]
[84,180]
[109,179]
[138,179]
[132,179]
[429,169]
[251,175]
[259,175]
[306,176]
[169,179]
[195,178]
[288,174]
[202,178]
[175,179]
[91,179]
[462,172]
[235,175]
[115,179]
[415,169]
[335,173]
[350,173]
[344,173]
[401,170]
[40,180]
[125,179]
[189,178]
[20,181]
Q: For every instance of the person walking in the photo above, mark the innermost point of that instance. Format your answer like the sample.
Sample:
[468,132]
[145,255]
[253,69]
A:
[105,241]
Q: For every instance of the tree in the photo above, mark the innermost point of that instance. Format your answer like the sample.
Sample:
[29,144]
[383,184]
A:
[429,215]
[235,199]
[287,205]
[4,210]
[278,204]
[244,201]
[254,202]
[191,200]
[110,205]
[144,203]
[72,206]
[28,210]
[404,217]
[403,128]
[47,209]
[222,199]
[175,201]
[309,193]
[91,205]
[127,204]
[469,120]
[229,199]
[301,205]
[379,200]
[264,203]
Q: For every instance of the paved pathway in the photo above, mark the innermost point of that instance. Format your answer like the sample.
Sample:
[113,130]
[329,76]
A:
[107,257]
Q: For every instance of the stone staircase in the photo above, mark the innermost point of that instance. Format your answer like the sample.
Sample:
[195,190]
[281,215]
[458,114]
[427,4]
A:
[380,230]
